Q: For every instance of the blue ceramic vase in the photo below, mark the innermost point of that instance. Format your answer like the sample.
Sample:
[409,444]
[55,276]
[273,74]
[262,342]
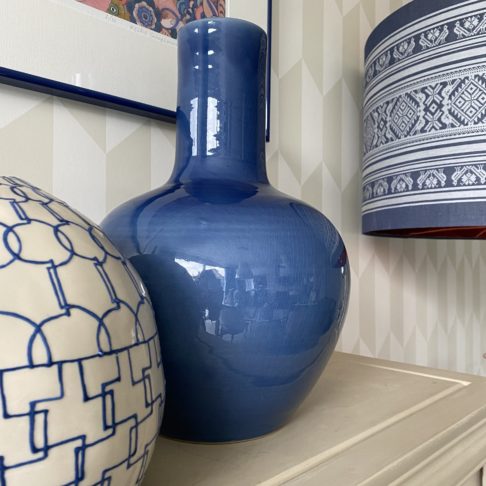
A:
[249,286]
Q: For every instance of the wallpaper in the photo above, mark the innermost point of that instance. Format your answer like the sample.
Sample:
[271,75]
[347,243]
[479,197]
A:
[411,300]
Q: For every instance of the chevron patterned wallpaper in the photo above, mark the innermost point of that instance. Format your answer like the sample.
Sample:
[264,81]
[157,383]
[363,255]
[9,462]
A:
[414,301]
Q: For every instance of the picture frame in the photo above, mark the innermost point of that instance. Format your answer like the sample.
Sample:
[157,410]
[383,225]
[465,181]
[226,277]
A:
[72,50]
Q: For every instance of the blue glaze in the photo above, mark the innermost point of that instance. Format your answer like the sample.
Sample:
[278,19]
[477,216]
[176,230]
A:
[249,286]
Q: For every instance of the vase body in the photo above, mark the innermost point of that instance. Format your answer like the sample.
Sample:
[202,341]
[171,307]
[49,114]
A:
[81,381]
[249,286]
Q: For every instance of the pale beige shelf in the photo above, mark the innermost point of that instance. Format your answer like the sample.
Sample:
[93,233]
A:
[367,422]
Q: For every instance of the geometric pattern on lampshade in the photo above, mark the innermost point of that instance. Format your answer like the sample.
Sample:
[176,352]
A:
[424,122]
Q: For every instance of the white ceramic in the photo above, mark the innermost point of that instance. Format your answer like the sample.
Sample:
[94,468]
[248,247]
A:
[81,382]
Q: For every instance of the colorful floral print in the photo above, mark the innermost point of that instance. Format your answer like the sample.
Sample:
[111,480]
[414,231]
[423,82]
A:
[118,8]
[144,14]
[164,16]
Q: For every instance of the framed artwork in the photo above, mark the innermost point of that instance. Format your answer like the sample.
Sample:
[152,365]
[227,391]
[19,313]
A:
[119,54]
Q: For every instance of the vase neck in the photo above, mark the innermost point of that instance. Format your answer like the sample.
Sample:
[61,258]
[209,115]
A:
[221,102]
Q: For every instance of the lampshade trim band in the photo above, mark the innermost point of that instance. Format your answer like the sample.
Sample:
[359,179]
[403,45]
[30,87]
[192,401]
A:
[410,15]
[399,200]
[471,213]
[465,26]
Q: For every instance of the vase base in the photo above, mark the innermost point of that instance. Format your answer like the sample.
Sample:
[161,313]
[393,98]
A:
[223,441]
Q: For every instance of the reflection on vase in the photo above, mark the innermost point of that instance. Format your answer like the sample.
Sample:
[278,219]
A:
[249,304]
[249,286]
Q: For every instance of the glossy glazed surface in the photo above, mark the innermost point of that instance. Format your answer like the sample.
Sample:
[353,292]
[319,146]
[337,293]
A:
[249,286]
[81,384]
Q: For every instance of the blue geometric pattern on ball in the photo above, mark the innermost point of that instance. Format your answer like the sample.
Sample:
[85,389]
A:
[81,386]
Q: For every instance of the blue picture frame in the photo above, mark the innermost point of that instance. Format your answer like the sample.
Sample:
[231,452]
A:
[43,84]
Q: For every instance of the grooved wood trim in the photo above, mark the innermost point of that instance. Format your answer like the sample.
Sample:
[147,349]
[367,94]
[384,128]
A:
[367,422]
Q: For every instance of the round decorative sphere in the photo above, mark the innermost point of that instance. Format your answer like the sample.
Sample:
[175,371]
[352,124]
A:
[81,382]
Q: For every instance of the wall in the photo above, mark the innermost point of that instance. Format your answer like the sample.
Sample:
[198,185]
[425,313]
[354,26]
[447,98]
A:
[91,157]
[414,301]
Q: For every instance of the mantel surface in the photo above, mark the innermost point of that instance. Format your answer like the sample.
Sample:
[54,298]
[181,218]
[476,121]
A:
[367,422]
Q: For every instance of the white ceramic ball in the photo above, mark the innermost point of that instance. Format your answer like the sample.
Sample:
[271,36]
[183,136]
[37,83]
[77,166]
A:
[81,381]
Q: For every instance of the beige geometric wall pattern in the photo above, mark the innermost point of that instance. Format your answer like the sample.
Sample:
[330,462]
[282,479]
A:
[414,301]
[411,300]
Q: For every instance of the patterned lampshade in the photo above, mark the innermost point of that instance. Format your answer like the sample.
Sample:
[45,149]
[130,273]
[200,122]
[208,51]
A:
[424,170]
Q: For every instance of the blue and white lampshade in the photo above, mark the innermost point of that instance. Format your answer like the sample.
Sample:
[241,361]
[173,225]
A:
[424,171]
